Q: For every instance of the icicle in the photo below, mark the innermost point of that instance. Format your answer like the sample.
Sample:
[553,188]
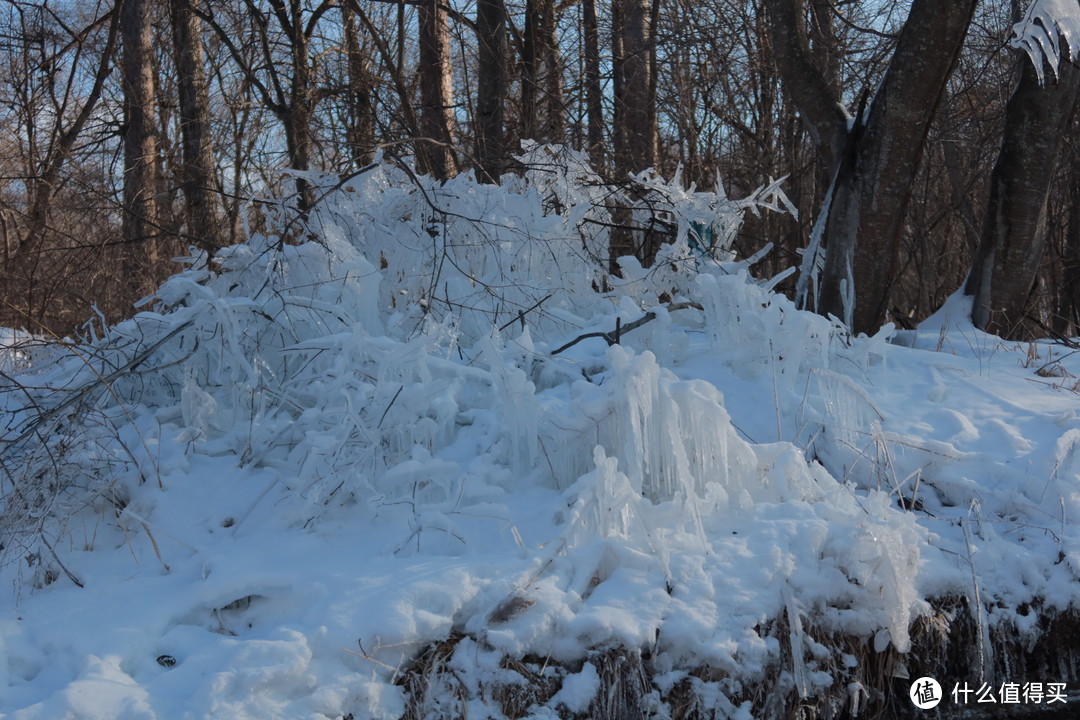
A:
[813,260]
[1037,34]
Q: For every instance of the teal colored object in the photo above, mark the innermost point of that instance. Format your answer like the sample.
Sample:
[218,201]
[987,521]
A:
[701,238]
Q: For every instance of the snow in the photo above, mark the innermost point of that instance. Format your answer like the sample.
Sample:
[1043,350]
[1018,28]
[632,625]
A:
[305,463]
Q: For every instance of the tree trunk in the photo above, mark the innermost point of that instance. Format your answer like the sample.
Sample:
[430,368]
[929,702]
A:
[288,94]
[1069,296]
[552,106]
[197,170]
[824,44]
[529,72]
[393,59]
[1014,230]
[635,135]
[360,133]
[635,146]
[436,90]
[593,92]
[825,49]
[652,128]
[877,159]
[541,82]
[491,87]
[300,108]
[818,103]
[618,61]
[140,134]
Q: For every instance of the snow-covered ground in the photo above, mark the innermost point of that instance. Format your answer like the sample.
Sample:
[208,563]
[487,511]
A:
[266,494]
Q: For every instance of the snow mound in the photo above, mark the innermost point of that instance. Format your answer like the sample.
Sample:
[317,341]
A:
[345,473]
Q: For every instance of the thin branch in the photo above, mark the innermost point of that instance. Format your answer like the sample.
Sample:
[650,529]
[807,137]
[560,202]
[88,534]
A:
[613,337]
[63,567]
[521,314]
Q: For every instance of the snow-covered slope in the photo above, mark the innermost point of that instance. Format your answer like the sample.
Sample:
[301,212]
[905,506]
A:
[349,477]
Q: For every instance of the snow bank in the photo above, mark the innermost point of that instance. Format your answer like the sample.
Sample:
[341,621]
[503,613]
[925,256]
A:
[350,477]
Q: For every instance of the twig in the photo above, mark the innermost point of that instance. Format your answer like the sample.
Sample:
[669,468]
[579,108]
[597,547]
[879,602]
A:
[390,405]
[56,557]
[613,338]
[146,526]
[521,315]
[370,659]
[157,550]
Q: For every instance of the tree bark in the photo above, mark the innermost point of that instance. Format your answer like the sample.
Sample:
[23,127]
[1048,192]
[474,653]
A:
[140,129]
[593,91]
[491,87]
[360,133]
[618,61]
[300,108]
[1069,297]
[197,180]
[635,116]
[635,144]
[436,90]
[1014,230]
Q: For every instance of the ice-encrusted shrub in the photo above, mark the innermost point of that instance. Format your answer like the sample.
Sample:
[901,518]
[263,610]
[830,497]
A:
[358,353]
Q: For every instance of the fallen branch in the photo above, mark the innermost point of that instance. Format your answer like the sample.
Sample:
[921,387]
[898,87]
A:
[615,336]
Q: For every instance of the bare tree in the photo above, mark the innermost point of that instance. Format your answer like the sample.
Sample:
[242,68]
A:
[56,64]
[635,107]
[877,158]
[491,87]
[1067,302]
[360,132]
[197,180]
[1014,230]
[57,143]
[393,65]
[436,90]
[635,114]
[590,29]
[542,102]
[287,88]
[141,167]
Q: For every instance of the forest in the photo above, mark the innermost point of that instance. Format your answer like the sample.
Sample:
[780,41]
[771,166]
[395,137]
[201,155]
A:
[927,148]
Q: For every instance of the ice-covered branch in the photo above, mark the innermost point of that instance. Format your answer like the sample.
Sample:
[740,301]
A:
[1039,34]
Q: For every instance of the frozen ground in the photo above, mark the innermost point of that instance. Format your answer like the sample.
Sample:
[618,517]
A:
[267,493]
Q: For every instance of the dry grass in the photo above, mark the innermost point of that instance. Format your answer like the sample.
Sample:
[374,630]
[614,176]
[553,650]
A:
[539,687]
[625,682]
[434,690]
[866,684]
